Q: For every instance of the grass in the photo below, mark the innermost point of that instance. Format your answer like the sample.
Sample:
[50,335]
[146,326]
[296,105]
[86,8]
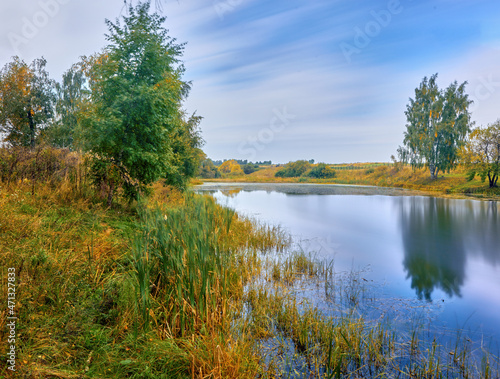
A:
[120,292]
[180,287]
[452,184]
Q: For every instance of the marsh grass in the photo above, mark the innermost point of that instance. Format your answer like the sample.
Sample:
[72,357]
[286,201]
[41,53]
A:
[298,338]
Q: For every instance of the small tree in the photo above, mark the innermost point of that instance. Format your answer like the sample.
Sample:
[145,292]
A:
[231,167]
[133,125]
[208,170]
[482,153]
[438,123]
[26,101]
[248,168]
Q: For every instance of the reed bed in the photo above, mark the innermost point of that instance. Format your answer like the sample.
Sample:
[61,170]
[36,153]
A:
[300,339]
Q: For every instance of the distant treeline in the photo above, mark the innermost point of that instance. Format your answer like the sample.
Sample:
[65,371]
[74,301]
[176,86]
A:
[240,162]
[359,166]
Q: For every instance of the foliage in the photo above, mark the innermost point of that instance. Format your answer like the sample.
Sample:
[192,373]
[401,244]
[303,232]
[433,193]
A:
[26,101]
[70,93]
[438,123]
[231,168]
[321,171]
[248,168]
[133,126]
[481,154]
[186,153]
[293,169]
[208,170]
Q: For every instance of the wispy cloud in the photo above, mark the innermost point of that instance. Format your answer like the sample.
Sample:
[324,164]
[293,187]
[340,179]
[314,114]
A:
[261,56]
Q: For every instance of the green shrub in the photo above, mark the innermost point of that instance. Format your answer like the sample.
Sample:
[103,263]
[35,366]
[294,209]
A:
[248,168]
[293,169]
[321,171]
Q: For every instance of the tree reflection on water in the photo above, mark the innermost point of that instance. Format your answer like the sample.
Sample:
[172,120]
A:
[438,238]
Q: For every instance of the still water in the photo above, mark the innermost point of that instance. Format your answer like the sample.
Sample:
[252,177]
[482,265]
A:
[441,253]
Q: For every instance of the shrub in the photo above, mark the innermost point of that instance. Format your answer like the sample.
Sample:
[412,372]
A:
[42,164]
[321,171]
[370,170]
[248,168]
[293,169]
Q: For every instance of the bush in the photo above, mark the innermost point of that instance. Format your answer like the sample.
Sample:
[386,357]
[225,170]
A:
[370,170]
[208,170]
[321,171]
[293,169]
[248,168]
[42,164]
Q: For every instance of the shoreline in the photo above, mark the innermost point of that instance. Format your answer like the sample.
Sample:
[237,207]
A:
[414,192]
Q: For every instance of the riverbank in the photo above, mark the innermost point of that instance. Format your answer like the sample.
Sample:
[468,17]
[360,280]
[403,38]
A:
[452,185]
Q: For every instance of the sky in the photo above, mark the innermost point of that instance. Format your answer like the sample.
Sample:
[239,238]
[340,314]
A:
[283,80]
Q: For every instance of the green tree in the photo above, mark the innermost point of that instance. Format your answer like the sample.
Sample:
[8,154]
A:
[321,171]
[70,93]
[132,124]
[293,169]
[482,153]
[185,142]
[26,101]
[208,170]
[437,124]
[248,168]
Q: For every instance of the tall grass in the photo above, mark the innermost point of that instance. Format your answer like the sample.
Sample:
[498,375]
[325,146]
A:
[181,263]
[191,264]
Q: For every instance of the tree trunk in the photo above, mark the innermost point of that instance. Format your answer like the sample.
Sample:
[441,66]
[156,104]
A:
[433,172]
[110,193]
[32,129]
[493,180]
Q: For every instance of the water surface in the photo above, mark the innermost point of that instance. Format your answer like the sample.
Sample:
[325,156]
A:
[441,253]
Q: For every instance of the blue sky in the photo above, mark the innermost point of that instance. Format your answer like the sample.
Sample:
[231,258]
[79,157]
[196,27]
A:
[285,80]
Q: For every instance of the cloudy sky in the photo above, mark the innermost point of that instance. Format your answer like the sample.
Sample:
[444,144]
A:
[291,79]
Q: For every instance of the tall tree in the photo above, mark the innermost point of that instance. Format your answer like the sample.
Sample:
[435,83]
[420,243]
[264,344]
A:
[437,124]
[70,92]
[134,112]
[26,100]
[482,153]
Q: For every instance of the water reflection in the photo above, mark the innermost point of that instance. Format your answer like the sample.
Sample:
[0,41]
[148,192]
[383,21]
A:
[439,235]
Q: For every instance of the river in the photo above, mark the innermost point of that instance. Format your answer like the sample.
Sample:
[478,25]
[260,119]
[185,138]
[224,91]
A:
[440,254]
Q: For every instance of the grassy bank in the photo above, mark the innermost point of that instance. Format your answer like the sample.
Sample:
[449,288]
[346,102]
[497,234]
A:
[122,292]
[180,287]
[452,184]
